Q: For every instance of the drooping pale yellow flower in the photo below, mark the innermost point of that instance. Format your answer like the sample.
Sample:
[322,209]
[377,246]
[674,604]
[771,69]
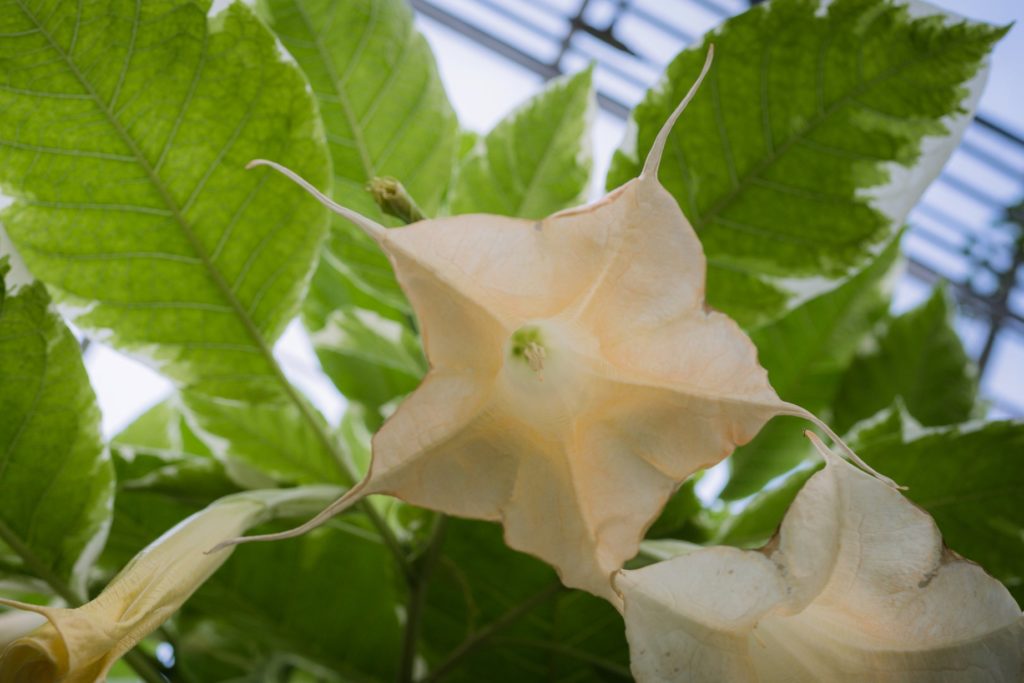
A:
[576,375]
[80,645]
[856,587]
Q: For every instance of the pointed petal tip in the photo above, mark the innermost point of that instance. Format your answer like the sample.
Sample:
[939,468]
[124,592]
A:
[831,456]
[224,545]
[27,607]
[653,161]
[350,498]
[367,225]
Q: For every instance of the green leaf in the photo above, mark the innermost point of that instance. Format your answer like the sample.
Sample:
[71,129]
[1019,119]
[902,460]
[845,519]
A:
[676,518]
[162,428]
[267,439]
[160,453]
[778,448]
[497,615]
[970,478]
[355,435]
[330,596]
[885,425]
[56,480]
[125,133]
[386,114]
[919,358]
[806,353]
[164,474]
[536,161]
[468,140]
[805,148]
[370,358]
[757,520]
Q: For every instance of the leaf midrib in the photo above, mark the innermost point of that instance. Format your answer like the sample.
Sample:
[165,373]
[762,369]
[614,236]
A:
[212,272]
[221,284]
[748,178]
[176,213]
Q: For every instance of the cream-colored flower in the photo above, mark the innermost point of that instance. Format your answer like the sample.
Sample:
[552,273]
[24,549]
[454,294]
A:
[857,586]
[80,645]
[577,376]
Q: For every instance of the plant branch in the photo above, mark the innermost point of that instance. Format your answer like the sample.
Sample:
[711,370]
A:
[134,658]
[424,570]
[478,638]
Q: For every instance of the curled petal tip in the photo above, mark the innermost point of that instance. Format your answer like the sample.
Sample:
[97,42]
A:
[797,411]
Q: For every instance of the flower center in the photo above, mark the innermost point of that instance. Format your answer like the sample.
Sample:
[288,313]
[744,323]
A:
[546,378]
[527,345]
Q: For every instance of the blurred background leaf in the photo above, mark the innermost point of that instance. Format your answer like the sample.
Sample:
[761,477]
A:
[56,479]
[536,161]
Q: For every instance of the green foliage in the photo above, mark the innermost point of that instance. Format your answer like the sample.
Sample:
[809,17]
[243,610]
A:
[371,359]
[146,218]
[804,110]
[146,224]
[536,161]
[56,480]
[676,520]
[919,358]
[806,353]
[164,474]
[287,598]
[756,522]
[272,439]
[386,114]
[915,358]
[328,597]
[381,99]
[497,615]
[382,102]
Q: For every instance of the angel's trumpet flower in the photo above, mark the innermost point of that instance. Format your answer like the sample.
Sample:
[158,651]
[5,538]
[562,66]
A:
[857,586]
[80,645]
[576,378]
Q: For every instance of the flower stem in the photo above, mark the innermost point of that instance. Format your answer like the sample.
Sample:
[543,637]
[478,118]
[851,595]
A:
[423,571]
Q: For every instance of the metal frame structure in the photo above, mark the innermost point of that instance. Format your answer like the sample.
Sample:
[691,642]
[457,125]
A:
[543,35]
